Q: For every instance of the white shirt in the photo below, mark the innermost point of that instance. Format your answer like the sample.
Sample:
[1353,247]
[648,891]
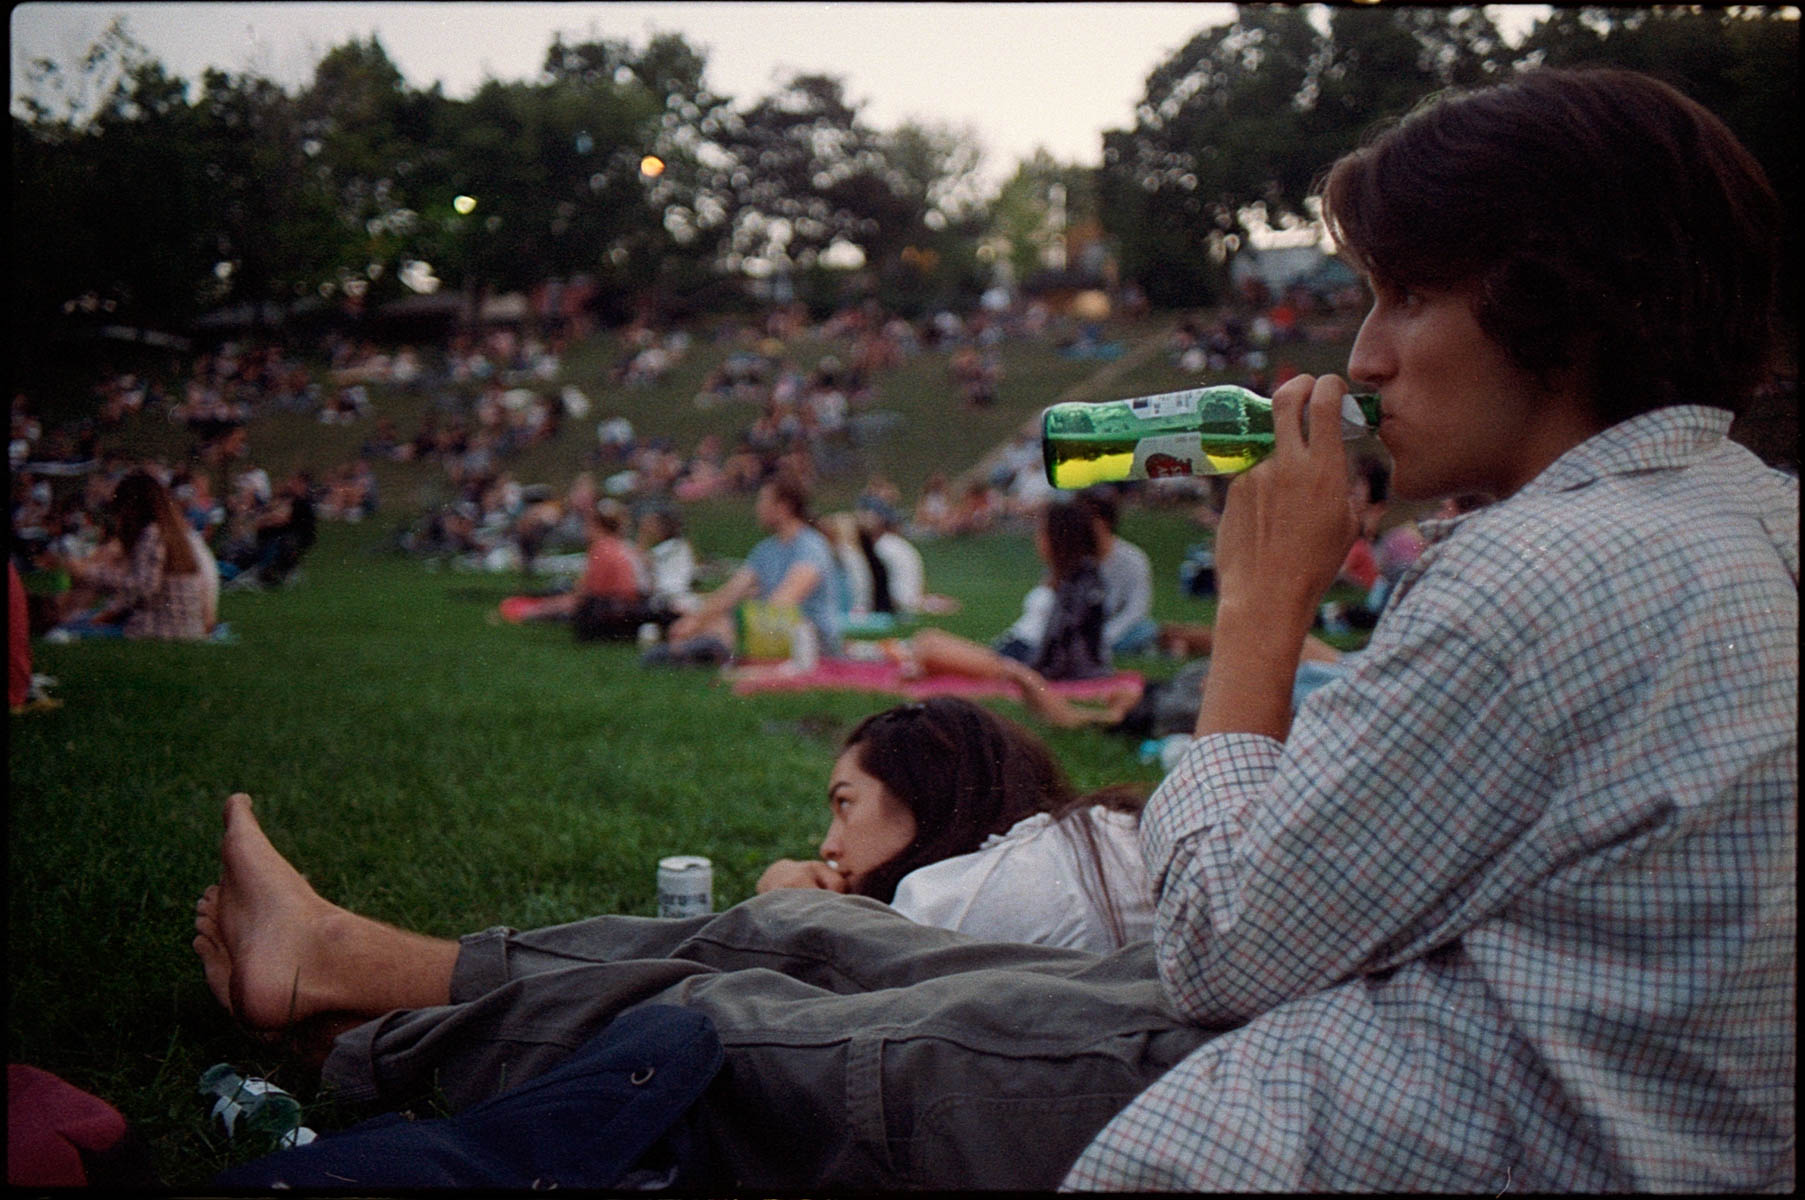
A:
[907,576]
[1128,589]
[1028,885]
[1037,610]
[673,571]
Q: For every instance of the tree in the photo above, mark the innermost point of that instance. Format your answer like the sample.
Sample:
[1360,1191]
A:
[272,226]
[554,169]
[806,172]
[1035,206]
[1246,114]
[359,138]
[1210,134]
[672,256]
[107,197]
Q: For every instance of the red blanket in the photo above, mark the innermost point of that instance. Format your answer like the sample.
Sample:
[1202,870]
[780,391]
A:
[847,675]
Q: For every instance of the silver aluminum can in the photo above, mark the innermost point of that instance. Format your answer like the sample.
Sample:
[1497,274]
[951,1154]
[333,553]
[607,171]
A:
[685,886]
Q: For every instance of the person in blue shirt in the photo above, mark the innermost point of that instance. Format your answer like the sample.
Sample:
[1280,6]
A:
[793,567]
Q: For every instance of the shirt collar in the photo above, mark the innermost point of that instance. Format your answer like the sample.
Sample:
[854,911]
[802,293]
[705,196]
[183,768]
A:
[1660,439]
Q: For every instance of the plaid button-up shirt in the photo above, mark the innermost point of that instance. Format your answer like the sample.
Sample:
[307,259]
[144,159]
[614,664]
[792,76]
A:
[1514,907]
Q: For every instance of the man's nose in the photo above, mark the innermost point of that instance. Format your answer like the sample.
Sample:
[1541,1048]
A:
[1368,363]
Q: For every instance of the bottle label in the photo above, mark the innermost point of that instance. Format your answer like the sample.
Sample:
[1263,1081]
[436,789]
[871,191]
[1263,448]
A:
[1168,456]
[1166,404]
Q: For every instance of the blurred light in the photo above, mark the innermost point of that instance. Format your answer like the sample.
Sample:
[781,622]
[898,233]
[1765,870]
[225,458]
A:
[651,166]
[418,276]
[465,205]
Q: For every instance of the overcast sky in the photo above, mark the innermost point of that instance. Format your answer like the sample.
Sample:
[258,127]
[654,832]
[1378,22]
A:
[1020,75]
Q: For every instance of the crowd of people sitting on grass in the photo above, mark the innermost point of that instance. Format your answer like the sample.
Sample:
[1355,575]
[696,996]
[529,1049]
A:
[493,394]
[141,550]
[490,395]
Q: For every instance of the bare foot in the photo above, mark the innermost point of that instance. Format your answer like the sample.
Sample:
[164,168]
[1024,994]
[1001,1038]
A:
[900,652]
[216,964]
[1186,641]
[261,932]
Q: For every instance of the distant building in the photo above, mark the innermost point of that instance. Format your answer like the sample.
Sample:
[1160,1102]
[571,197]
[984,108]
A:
[1281,268]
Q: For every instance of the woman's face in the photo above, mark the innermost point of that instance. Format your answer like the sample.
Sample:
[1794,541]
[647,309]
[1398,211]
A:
[867,826]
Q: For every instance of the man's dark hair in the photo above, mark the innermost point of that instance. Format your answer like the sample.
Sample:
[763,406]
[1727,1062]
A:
[1606,222]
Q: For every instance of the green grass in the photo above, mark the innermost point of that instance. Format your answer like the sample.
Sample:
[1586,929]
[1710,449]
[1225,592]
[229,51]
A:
[429,768]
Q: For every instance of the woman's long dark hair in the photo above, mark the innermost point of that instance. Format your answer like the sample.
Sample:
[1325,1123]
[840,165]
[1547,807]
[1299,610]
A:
[1071,539]
[139,502]
[965,774]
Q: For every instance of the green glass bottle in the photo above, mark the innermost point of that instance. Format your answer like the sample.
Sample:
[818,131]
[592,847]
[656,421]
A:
[1216,430]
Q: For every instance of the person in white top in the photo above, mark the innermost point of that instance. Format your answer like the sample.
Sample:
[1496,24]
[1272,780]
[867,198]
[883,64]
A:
[670,560]
[962,819]
[1128,624]
[1037,883]
[905,574]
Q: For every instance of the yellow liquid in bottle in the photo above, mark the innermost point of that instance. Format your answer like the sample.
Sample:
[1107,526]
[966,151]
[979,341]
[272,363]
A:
[1080,472]
[1074,468]
[1228,458]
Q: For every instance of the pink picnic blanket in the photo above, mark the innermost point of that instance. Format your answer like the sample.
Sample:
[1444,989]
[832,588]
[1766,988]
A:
[848,675]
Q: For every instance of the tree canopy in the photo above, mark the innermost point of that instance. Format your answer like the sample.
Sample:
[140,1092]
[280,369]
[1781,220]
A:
[137,196]
[1245,115]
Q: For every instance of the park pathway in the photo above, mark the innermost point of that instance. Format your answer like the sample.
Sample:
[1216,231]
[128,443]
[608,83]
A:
[1095,386]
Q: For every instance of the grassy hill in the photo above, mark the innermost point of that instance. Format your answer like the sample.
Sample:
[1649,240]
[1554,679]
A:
[433,769]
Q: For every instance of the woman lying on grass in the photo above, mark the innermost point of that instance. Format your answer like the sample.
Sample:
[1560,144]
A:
[957,817]
[961,819]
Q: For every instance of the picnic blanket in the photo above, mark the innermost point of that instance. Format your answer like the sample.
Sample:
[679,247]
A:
[840,674]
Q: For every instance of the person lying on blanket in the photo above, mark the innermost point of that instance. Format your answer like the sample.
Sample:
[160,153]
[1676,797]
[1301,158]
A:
[1059,636]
